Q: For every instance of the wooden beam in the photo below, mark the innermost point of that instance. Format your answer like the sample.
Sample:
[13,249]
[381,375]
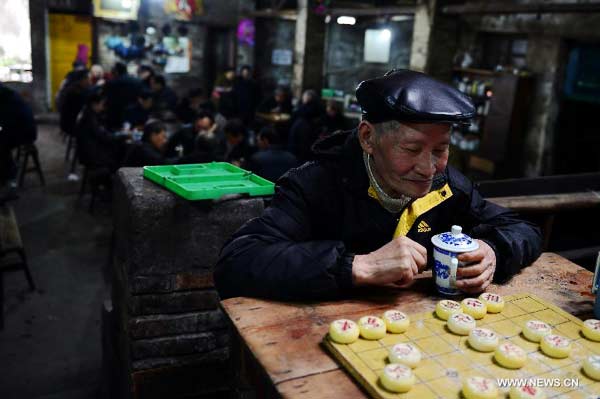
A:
[336,12]
[270,13]
[371,12]
[512,8]
[549,202]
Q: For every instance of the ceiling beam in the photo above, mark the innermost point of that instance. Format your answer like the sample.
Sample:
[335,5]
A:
[371,12]
[512,8]
[270,13]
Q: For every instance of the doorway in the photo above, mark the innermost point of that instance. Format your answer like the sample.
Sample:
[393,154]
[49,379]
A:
[577,139]
[220,53]
[68,33]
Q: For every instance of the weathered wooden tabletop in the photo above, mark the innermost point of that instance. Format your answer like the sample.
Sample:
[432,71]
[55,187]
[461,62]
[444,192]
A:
[284,338]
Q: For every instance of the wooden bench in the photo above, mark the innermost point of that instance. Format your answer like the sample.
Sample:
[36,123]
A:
[550,201]
[12,252]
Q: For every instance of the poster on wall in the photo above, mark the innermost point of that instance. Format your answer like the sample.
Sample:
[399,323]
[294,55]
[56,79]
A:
[377,45]
[183,10]
[179,54]
[281,57]
[116,9]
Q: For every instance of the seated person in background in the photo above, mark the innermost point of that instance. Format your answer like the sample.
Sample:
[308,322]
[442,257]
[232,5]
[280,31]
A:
[97,75]
[183,142]
[280,102]
[247,95]
[334,117]
[271,161]
[121,91]
[189,106]
[307,126]
[204,151]
[77,66]
[165,99]
[18,127]
[97,147]
[137,114]
[151,149]
[349,219]
[73,100]
[145,73]
[223,93]
[235,148]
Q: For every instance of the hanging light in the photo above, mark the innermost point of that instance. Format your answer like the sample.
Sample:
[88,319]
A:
[346,20]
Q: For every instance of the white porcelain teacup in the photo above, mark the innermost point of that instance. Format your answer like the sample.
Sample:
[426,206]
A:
[446,247]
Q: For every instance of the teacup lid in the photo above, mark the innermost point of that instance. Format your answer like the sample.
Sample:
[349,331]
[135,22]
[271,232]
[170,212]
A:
[455,241]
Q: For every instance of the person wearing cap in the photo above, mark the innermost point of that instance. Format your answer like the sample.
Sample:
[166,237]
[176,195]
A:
[137,114]
[363,213]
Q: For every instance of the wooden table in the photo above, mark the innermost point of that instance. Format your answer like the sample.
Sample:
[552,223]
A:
[273,117]
[280,342]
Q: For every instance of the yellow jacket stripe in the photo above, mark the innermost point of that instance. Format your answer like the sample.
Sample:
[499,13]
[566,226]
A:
[419,207]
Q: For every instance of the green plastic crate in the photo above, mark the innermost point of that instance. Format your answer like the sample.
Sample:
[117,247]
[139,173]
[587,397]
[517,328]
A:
[208,180]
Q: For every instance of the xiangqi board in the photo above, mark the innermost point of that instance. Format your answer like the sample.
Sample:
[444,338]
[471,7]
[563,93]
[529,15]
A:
[448,359]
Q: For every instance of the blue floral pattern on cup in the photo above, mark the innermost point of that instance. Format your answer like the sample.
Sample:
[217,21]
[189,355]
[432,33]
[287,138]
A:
[458,240]
[441,270]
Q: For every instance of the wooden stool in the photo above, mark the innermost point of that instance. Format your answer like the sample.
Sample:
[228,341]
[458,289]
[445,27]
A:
[92,178]
[12,253]
[27,151]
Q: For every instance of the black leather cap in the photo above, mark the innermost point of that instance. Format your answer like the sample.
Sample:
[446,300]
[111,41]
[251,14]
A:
[411,96]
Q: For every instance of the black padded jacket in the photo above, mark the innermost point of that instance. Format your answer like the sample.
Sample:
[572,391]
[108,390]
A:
[322,214]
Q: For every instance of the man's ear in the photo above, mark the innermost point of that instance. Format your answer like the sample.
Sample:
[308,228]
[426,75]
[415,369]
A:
[366,136]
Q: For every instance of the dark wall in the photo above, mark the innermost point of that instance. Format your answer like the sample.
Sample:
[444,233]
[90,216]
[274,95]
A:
[546,59]
[345,67]
[273,34]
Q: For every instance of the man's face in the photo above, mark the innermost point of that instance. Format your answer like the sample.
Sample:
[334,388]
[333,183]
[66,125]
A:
[144,74]
[195,102]
[155,86]
[262,143]
[233,139]
[159,140]
[203,123]
[306,98]
[407,158]
[146,103]
[99,106]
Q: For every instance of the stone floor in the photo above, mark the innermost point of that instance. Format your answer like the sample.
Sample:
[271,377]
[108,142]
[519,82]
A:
[51,343]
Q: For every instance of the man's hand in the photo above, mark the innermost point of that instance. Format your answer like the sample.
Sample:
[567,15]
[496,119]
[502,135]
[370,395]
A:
[396,263]
[475,277]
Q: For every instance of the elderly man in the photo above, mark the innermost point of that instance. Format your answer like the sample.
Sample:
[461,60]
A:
[364,212]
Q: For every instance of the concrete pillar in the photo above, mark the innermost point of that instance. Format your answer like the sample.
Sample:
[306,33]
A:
[543,59]
[309,50]
[169,337]
[419,52]
[435,40]
[37,15]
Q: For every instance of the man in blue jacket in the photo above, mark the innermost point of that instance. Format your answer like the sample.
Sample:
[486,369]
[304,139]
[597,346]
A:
[363,213]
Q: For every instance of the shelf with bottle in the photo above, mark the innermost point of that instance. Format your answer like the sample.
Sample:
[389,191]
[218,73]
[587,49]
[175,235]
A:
[467,142]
